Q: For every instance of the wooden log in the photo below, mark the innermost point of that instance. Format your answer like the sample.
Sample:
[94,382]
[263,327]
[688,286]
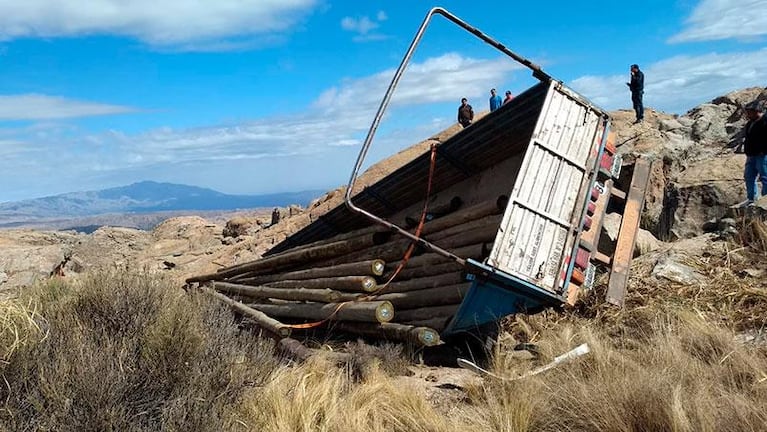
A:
[393,331]
[492,220]
[477,252]
[424,283]
[373,267]
[465,238]
[410,272]
[261,319]
[298,294]
[393,250]
[435,212]
[440,296]
[293,257]
[343,283]
[372,311]
[467,214]
[343,236]
[438,324]
[295,349]
[424,313]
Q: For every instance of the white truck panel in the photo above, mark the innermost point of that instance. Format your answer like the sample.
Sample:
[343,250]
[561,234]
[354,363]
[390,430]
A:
[539,226]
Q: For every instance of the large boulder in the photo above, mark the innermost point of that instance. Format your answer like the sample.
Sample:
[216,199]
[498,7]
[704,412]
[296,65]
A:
[695,177]
[611,224]
[702,192]
[107,247]
[28,256]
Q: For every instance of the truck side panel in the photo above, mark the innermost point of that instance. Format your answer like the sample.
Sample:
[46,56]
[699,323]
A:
[537,231]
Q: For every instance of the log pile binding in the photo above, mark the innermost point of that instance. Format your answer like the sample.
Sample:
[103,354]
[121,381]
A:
[357,283]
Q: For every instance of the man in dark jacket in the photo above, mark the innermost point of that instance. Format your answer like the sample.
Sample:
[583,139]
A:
[465,113]
[637,90]
[755,147]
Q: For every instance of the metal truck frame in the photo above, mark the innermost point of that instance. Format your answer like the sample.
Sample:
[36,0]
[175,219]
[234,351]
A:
[551,153]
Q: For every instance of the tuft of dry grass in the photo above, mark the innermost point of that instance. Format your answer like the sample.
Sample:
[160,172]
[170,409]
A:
[316,397]
[18,326]
[682,373]
[753,233]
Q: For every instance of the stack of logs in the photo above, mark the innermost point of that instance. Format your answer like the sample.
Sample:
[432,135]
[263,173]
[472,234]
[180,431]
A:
[341,283]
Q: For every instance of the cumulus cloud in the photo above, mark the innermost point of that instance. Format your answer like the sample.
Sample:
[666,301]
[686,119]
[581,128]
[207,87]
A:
[169,22]
[438,79]
[680,83]
[364,26]
[320,143]
[39,107]
[725,19]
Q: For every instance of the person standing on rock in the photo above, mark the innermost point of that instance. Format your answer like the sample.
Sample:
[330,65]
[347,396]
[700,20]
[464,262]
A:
[495,101]
[637,91]
[755,147]
[465,113]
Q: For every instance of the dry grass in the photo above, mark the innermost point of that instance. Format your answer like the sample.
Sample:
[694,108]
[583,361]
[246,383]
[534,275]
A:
[679,373]
[753,233]
[130,352]
[316,397]
[18,325]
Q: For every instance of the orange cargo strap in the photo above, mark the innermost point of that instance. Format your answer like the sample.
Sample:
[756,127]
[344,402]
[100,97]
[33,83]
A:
[421,222]
[402,264]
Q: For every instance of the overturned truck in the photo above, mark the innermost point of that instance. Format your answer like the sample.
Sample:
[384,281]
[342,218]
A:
[503,217]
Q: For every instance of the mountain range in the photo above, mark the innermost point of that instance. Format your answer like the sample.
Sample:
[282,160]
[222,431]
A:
[141,197]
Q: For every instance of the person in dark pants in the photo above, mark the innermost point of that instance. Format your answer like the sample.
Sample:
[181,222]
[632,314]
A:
[755,147]
[465,113]
[637,90]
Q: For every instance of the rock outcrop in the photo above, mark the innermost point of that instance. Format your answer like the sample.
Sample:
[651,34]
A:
[695,178]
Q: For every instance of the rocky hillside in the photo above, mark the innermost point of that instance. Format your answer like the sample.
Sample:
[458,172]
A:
[695,179]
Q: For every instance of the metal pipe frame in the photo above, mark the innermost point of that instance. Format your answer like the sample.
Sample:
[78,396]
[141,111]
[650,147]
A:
[537,73]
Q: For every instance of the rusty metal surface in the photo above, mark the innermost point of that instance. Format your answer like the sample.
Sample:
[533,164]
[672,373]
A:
[624,251]
[590,238]
[491,140]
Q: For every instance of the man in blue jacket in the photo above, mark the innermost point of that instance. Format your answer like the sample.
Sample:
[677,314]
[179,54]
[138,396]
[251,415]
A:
[495,101]
[637,90]
[755,147]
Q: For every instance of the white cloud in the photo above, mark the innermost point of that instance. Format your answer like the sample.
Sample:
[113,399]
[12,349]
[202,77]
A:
[725,19]
[680,83]
[39,107]
[321,143]
[168,22]
[446,78]
[364,26]
[359,25]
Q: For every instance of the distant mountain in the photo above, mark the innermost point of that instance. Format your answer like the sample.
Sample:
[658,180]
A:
[142,197]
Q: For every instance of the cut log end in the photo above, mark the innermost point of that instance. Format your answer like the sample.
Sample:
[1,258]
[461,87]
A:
[378,267]
[369,284]
[427,336]
[385,312]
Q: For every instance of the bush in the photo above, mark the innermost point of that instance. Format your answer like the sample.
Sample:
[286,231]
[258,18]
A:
[129,352]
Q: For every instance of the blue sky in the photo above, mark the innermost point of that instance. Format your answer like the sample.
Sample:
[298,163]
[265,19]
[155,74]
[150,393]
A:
[260,96]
